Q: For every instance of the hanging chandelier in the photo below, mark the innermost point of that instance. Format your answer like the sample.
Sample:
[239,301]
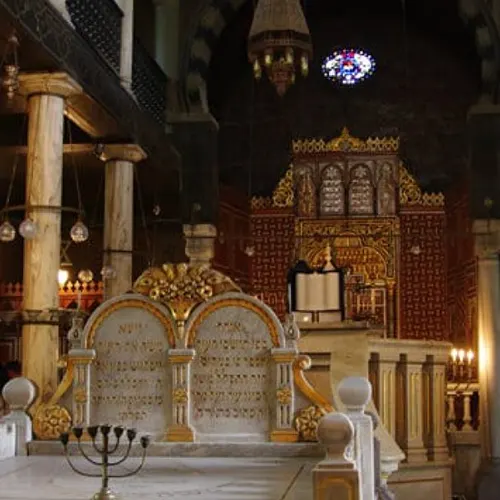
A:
[279,42]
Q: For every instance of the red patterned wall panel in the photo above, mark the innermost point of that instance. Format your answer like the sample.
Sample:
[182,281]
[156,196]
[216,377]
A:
[273,236]
[462,269]
[423,273]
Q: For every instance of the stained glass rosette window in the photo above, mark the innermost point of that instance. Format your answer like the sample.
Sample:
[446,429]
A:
[348,66]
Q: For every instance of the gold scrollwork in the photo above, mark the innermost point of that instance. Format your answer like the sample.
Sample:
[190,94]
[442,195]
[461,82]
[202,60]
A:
[180,396]
[301,364]
[50,421]
[80,395]
[283,194]
[183,286]
[284,395]
[345,143]
[306,422]
[410,193]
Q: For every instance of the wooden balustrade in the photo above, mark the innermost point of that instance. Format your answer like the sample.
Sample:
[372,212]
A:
[462,407]
[409,382]
[86,296]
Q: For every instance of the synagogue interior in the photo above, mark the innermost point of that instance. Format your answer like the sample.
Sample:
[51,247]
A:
[244,232]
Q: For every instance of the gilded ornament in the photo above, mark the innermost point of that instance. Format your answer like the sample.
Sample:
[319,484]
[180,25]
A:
[410,193]
[180,396]
[346,143]
[50,421]
[284,395]
[283,195]
[306,422]
[80,395]
[183,286]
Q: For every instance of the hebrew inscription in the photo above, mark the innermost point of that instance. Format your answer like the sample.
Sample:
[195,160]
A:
[231,380]
[128,382]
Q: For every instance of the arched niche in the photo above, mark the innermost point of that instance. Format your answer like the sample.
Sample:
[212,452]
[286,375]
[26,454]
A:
[131,336]
[361,190]
[332,191]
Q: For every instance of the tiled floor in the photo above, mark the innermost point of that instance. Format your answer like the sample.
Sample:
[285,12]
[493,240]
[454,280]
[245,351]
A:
[50,478]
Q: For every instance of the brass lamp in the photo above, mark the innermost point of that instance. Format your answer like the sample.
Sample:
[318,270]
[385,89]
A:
[279,42]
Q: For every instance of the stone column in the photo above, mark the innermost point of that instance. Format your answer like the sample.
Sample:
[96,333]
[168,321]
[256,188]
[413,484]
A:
[200,241]
[487,250]
[285,396]
[119,216]
[180,420]
[46,94]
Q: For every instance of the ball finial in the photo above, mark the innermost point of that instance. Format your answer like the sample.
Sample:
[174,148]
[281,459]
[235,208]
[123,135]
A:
[335,433]
[19,393]
[355,393]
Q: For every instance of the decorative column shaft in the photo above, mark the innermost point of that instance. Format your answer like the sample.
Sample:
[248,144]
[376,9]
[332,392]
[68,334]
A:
[436,374]
[80,361]
[127,42]
[180,420]
[119,216]
[46,93]
[412,431]
[285,396]
[385,367]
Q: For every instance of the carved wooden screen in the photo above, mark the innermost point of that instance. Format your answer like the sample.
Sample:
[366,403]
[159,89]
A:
[332,191]
[361,191]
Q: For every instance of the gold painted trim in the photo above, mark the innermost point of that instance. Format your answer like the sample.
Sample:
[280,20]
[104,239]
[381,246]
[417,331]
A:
[180,434]
[245,304]
[284,436]
[301,364]
[327,481]
[64,385]
[180,358]
[283,358]
[89,340]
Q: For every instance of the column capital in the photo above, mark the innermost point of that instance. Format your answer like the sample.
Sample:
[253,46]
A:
[59,84]
[124,152]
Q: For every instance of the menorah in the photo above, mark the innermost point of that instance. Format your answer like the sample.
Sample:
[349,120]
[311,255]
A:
[105,450]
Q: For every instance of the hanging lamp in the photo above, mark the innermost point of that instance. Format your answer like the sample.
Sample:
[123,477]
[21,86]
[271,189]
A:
[279,42]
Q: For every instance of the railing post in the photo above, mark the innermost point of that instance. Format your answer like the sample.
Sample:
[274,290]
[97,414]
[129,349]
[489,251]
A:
[19,393]
[451,416]
[355,393]
[336,476]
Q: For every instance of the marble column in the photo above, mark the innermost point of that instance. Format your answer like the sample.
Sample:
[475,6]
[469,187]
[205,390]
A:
[487,249]
[167,36]
[127,42]
[119,216]
[46,93]
[200,243]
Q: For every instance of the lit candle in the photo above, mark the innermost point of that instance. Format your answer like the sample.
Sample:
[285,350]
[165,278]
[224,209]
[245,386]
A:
[470,356]
[454,355]
[289,297]
[461,356]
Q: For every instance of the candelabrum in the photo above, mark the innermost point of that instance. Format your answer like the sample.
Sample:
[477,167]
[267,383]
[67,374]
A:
[460,366]
[105,449]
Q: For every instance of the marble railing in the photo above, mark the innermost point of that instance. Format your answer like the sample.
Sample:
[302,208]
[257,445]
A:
[409,388]
[462,407]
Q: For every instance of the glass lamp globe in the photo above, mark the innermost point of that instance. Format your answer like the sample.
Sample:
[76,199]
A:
[85,276]
[62,276]
[108,272]
[28,229]
[79,232]
[7,232]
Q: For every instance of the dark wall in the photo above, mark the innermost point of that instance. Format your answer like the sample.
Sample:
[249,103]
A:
[427,76]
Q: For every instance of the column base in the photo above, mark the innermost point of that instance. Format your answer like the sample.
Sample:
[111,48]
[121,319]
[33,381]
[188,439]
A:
[489,480]
[416,456]
[440,454]
[284,436]
[180,434]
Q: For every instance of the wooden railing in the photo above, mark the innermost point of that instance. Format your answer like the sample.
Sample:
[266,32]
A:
[86,296]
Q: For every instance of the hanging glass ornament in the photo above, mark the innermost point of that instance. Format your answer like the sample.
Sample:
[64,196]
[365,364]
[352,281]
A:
[108,272]
[79,232]
[28,229]
[85,276]
[7,232]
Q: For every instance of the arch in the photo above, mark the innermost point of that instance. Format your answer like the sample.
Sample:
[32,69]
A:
[332,191]
[215,15]
[361,192]
[121,302]
[265,313]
